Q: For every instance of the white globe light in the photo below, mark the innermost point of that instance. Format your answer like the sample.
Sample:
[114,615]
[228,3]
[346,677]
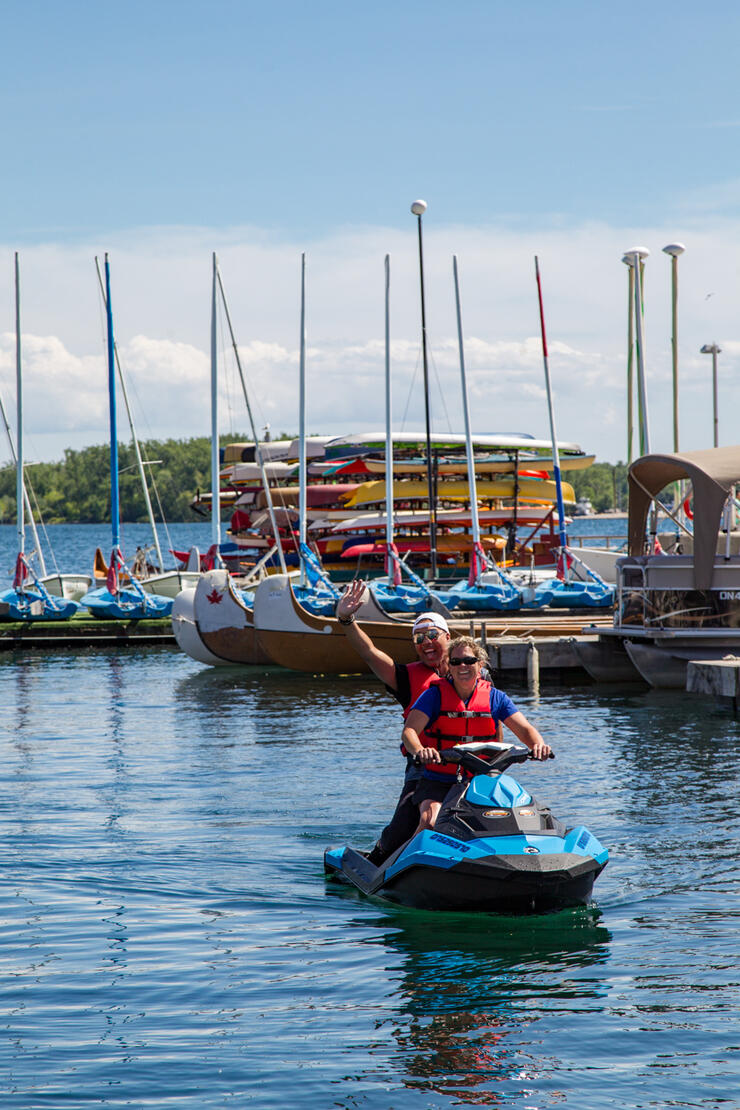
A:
[419,207]
[674,249]
[641,252]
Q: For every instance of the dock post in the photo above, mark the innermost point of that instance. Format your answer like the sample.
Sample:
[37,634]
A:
[533,667]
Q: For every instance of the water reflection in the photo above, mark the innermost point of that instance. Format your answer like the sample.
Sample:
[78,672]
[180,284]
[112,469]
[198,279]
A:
[670,751]
[18,687]
[116,667]
[280,700]
[671,778]
[470,985]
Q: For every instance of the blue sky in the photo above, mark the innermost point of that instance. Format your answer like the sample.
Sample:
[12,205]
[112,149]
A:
[301,118]
[161,131]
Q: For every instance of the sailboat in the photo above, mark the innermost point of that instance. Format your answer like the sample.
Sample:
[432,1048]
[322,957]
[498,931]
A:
[487,586]
[576,584]
[58,584]
[314,588]
[28,599]
[392,595]
[213,622]
[122,597]
[153,579]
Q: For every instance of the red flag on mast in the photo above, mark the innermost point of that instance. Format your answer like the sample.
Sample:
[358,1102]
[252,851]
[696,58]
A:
[21,571]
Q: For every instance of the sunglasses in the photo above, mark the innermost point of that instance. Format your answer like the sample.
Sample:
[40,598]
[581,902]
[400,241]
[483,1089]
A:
[464,661]
[431,634]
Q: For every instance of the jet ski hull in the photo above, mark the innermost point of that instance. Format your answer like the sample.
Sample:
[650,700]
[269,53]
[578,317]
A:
[494,849]
[491,884]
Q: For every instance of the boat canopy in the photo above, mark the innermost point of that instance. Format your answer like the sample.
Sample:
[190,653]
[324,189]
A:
[712,473]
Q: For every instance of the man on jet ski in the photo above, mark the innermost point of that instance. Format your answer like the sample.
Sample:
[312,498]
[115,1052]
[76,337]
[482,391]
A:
[406,681]
[462,706]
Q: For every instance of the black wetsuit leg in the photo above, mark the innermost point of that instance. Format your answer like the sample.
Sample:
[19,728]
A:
[403,822]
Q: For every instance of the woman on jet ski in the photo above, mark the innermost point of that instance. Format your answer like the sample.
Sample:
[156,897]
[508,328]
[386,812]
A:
[459,707]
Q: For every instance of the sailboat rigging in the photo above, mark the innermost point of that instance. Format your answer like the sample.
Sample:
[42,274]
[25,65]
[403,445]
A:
[28,599]
[122,596]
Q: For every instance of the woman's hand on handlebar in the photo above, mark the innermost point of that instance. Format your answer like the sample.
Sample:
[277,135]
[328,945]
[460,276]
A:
[427,755]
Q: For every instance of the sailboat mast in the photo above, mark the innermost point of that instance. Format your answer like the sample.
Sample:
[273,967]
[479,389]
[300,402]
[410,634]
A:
[114,493]
[553,436]
[19,482]
[259,455]
[472,488]
[26,499]
[137,450]
[389,475]
[302,422]
[215,454]
[418,208]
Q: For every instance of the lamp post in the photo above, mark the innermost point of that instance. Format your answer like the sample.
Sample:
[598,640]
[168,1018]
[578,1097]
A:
[713,350]
[674,250]
[418,209]
[627,259]
[637,256]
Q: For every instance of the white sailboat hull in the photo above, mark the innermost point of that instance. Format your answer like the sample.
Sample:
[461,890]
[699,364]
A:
[70,586]
[170,583]
[601,560]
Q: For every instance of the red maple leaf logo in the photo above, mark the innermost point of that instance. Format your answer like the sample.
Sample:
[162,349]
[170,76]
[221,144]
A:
[214,597]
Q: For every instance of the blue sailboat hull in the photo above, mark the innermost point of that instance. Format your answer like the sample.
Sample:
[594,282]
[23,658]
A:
[587,595]
[411,599]
[30,605]
[126,605]
[319,602]
[484,597]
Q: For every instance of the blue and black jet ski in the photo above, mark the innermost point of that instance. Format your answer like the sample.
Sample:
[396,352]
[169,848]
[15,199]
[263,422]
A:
[494,848]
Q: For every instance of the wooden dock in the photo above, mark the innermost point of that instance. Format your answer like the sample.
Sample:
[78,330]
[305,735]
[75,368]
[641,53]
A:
[523,625]
[83,632]
[525,644]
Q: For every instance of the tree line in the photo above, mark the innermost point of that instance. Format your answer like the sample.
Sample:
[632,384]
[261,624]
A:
[76,490]
[604,484]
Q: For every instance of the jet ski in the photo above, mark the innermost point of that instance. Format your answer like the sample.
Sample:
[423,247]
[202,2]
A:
[494,848]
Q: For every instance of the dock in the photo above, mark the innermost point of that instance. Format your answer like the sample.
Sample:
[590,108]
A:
[535,644]
[525,644]
[717,678]
[83,632]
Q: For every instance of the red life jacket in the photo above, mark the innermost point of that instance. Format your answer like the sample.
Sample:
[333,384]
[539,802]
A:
[420,678]
[458,722]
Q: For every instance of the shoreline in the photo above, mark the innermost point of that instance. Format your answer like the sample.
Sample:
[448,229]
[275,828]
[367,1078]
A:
[611,514]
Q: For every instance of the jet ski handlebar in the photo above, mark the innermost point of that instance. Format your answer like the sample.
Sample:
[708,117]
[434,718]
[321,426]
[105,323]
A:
[501,756]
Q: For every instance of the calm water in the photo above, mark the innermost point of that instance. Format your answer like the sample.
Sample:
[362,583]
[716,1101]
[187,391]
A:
[169,940]
[71,547]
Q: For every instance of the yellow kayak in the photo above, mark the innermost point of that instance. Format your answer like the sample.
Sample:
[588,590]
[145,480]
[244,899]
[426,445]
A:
[529,489]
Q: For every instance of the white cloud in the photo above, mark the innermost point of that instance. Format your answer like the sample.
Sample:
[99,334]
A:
[161,303]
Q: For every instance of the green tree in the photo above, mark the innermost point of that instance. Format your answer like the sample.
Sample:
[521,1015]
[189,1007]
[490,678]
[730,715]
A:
[604,484]
[76,490]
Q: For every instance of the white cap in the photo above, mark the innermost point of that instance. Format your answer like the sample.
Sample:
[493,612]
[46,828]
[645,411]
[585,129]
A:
[430,618]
